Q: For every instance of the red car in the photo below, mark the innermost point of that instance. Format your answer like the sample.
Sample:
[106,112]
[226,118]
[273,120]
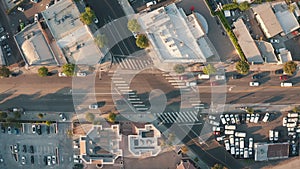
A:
[217,133]
[283,77]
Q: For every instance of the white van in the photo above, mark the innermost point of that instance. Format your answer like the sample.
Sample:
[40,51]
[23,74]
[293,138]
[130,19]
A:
[230,127]
[286,84]
[240,134]
[254,84]
[150,3]
[203,76]
[227,146]
[231,140]
[232,151]
[293,114]
[242,143]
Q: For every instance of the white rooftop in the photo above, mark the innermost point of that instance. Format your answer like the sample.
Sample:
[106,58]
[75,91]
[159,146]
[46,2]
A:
[286,18]
[143,144]
[284,55]
[246,42]
[174,35]
[34,46]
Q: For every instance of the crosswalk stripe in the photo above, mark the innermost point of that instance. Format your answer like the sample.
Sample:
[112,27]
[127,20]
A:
[194,114]
[138,105]
[190,116]
[132,95]
[142,108]
[132,66]
[133,99]
[140,64]
[123,87]
[179,116]
[164,118]
[176,117]
[136,102]
[121,84]
[120,81]
[183,116]
[167,115]
[173,119]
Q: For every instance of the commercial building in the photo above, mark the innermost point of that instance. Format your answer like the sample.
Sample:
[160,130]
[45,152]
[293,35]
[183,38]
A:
[176,37]
[246,42]
[186,164]
[73,37]
[271,151]
[144,141]
[101,145]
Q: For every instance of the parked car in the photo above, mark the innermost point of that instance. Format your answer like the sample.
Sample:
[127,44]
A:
[47,6]
[49,160]
[39,129]
[223,120]
[53,160]
[236,76]
[211,117]
[61,74]
[271,135]
[16,148]
[20,9]
[31,149]
[250,142]
[33,127]
[250,152]
[81,74]
[9,130]
[252,118]
[232,119]
[23,160]
[266,117]
[279,71]
[62,116]
[214,123]
[24,149]
[254,84]
[17,131]
[256,76]
[237,118]
[150,3]
[283,77]
[284,121]
[276,134]
[220,77]
[274,40]
[93,106]
[227,146]
[227,117]
[248,118]
[256,119]
[36,17]
[32,159]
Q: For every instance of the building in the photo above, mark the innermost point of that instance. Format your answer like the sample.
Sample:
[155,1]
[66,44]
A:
[101,145]
[34,47]
[267,52]
[267,20]
[144,141]
[186,164]
[284,55]
[271,151]
[73,37]
[2,61]
[175,37]
[246,42]
[287,19]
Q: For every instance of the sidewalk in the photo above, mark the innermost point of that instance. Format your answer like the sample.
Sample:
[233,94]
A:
[47,116]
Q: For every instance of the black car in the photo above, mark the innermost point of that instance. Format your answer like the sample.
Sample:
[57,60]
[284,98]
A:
[236,76]
[31,149]
[2,129]
[32,159]
[24,149]
[279,71]
[39,129]
[257,76]
[48,129]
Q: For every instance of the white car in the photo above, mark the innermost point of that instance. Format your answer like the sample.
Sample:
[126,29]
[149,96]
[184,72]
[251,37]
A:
[271,135]
[4,37]
[266,117]
[211,117]
[227,117]
[237,118]
[150,3]
[214,123]
[253,83]
[20,9]
[274,40]
[33,127]
[81,74]
[48,160]
[223,119]
[256,118]
[135,35]
[36,17]
[276,134]
[227,146]
[53,160]
[232,119]
[61,74]
[220,77]
[284,121]
[96,20]
[62,116]
[23,160]
[248,118]
[252,118]
[250,142]
[93,106]
[47,6]
[250,151]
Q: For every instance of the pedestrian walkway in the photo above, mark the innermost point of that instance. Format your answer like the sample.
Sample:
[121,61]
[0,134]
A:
[132,63]
[178,117]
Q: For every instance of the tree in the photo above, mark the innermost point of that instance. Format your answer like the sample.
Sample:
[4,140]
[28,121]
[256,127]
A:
[290,67]
[100,40]
[17,115]
[69,133]
[296,109]
[90,117]
[218,166]
[242,67]
[48,123]
[133,25]
[244,6]
[87,16]
[3,115]
[230,6]
[43,71]
[291,8]
[142,41]
[40,115]
[111,117]
[69,69]
[209,69]
[4,71]
[250,110]
[179,69]
[184,149]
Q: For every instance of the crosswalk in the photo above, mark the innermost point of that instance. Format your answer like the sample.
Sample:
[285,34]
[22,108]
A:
[122,86]
[132,63]
[178,117]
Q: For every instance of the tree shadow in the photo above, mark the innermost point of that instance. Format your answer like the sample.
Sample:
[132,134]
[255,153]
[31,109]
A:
[274,99]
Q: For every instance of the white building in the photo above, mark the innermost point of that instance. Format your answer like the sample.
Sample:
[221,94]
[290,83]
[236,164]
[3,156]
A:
[176,38]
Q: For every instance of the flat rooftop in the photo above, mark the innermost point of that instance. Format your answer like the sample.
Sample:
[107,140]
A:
[266,17]
[246,42]
[62,18]
[34,47]
[174,35]
[267,51]
[270,151]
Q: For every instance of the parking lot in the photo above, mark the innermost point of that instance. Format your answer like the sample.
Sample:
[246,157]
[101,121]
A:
[30,148]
